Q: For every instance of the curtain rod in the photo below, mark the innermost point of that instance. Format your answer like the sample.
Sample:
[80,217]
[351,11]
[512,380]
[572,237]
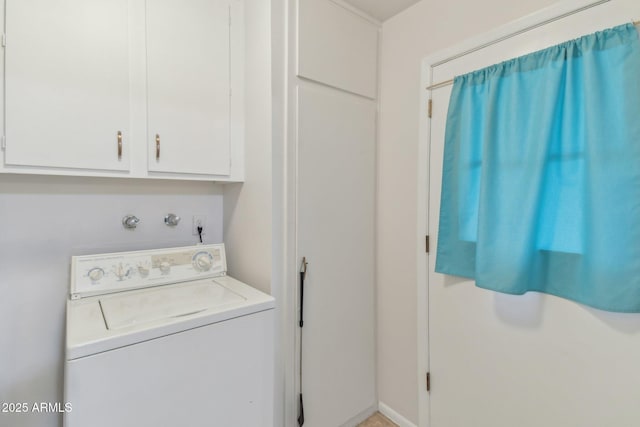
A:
[450,82]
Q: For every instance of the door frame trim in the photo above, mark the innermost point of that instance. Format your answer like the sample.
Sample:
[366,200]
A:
[529,22]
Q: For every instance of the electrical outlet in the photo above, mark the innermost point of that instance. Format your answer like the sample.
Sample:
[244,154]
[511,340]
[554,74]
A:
[199,221]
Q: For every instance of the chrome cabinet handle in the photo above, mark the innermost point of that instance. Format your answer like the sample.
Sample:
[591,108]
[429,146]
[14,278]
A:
[157,146]
[119,145]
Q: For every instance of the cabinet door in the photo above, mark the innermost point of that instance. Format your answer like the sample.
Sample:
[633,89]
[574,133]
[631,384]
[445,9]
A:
[67,84]
[335,230]
[188,86]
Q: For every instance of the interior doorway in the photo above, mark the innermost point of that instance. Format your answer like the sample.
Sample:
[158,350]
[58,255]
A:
[499,360]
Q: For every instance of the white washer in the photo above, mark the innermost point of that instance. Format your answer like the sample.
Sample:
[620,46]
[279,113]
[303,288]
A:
[165,338]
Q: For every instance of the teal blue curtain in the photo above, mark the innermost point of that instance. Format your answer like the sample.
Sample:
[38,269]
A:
[541,173]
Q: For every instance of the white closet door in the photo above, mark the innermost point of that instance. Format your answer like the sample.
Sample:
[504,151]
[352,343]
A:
[335,223]
[188,86]
[533,360]
[67,83]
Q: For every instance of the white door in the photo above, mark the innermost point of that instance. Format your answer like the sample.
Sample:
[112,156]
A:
[188,86]
[67,84]
[335,223]
[534,360]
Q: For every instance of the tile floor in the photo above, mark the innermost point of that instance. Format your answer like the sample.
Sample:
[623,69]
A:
[377,420]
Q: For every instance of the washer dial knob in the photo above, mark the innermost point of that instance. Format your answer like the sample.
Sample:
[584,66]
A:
[202,261]
[143,269]
[95,274]
[165,267]
[121,271]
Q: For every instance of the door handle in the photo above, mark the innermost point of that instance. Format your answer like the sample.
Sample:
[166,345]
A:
[303,274]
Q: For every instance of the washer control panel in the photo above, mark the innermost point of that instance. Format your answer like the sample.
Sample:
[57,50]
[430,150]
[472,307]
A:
[116,272]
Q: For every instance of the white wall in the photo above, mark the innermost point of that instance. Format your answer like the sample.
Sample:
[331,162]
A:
[247,206]
[43,221]
[406,38]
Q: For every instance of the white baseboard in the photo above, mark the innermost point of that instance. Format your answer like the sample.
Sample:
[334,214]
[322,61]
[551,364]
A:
[361,416]
[394,416]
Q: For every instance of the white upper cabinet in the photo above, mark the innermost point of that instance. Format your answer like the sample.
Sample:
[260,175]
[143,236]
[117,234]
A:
[188,83]
[126,88]
[67,84]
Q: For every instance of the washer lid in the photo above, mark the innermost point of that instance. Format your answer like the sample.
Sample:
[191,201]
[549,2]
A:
[137,307]
[88,332]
